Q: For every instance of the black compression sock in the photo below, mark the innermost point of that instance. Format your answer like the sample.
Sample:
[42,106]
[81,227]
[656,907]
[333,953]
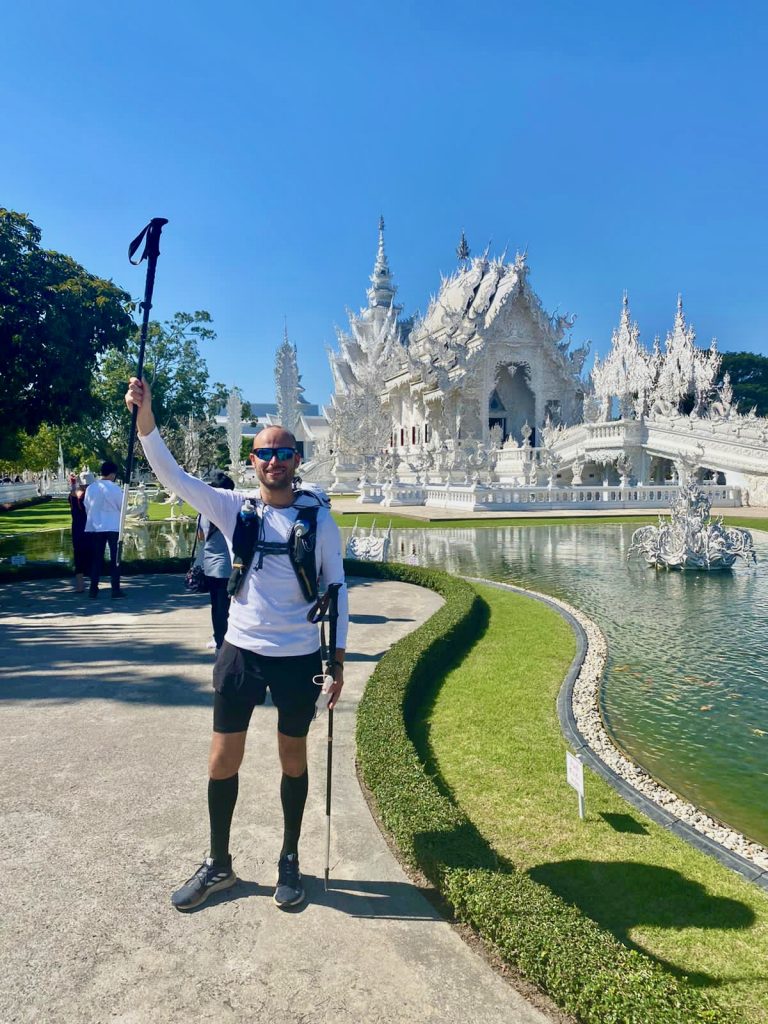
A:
[222,797]
[293,794]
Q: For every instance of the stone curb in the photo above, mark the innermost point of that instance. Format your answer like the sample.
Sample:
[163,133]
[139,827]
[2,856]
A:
[582,683]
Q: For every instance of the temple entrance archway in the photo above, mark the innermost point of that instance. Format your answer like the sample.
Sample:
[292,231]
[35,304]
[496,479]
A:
[512,400]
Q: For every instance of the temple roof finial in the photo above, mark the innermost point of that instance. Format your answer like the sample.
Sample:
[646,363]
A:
[462,249]
[382,291]
[680,315]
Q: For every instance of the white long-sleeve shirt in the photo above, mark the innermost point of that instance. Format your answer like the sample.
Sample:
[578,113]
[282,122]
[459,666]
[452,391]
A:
[103,501]
[269,613]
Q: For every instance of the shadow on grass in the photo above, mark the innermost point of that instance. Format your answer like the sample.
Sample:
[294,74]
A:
[419,713]
[624,823]
[618,896]
[623,895]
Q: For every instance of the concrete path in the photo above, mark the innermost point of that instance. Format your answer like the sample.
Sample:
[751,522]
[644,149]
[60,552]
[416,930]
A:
[104,729]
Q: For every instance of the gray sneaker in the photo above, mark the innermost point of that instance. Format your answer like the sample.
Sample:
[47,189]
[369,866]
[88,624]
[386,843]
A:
[208,878]
[289,891]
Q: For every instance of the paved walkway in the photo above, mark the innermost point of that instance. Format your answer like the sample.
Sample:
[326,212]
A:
[104,728]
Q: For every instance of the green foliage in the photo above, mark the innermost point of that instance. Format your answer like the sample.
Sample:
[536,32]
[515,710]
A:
[584,969]
[56,319]
[749,380]
[34,453]
[176,370]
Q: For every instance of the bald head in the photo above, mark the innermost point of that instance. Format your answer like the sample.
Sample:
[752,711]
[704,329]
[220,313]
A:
[276,436]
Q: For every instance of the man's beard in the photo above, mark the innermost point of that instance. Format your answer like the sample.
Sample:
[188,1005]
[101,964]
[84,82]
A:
[282,483]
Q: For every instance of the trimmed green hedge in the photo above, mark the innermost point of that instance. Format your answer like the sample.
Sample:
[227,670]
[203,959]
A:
[585,969]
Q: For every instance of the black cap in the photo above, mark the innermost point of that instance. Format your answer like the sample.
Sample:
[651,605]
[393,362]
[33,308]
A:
[220,479]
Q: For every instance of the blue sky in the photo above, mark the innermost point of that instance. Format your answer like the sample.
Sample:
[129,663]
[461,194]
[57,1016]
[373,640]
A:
[623,144]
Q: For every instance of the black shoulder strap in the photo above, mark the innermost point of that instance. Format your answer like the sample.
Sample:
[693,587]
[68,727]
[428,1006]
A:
[248,526]
[301,549]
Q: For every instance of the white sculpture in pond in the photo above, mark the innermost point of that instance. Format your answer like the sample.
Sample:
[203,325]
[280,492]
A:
[369,547]
[690,539]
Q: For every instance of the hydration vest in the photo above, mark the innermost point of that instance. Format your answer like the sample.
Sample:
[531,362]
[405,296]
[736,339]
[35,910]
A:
[248,543]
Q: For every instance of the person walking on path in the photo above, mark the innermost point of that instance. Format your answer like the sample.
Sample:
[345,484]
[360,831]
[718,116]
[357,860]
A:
[217,565]
[103,503]
[269,641]
[80,546]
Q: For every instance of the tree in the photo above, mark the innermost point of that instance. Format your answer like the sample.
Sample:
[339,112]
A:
[178,375]
[56,319]
[36,452]
[749,380]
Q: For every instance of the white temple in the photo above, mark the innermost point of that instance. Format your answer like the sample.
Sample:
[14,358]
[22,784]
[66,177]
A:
[482,404]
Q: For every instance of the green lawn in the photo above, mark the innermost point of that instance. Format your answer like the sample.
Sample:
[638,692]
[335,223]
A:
[493,735]
[54,515]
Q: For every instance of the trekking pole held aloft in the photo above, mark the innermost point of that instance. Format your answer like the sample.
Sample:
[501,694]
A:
[151,251]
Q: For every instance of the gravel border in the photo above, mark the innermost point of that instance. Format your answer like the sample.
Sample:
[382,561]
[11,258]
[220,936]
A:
[578,709]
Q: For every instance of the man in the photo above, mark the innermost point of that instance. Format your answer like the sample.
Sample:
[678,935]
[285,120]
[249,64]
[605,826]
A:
[268,643]
[103,501]
[217,565]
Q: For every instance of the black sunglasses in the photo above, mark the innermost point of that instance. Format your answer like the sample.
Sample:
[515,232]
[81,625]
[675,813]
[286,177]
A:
[267,454]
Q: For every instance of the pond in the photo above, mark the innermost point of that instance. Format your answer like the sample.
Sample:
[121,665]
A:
[686,688]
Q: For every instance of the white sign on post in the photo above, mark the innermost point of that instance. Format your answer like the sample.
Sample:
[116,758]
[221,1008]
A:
[574,771]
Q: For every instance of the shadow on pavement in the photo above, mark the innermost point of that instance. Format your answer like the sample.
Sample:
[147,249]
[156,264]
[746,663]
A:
[398,901]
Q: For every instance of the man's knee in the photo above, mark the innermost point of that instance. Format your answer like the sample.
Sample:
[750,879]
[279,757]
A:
[293,754]
[226,754]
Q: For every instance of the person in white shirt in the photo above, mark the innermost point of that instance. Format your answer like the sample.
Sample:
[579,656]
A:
[103,502]
[269,642]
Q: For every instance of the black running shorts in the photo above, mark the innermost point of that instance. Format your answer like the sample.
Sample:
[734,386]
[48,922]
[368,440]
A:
[241,678]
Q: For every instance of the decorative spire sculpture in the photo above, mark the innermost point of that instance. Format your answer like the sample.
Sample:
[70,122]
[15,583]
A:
[382,290]
[462,250]
[288,387]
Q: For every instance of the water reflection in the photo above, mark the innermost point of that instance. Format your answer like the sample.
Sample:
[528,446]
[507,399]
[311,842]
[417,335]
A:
[171,539]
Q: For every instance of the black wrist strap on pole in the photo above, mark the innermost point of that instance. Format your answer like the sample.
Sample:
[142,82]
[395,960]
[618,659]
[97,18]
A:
[329,602]
[333,617]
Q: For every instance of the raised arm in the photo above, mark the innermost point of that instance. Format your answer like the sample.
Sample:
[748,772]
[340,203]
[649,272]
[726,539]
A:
[220,506]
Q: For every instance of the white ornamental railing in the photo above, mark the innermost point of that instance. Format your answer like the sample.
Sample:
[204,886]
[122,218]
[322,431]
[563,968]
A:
[508,497]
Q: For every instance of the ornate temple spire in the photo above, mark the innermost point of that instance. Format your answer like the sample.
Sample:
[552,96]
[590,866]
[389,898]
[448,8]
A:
[288,387]
[462,250]
[679,315]
[626,310]
[382,290]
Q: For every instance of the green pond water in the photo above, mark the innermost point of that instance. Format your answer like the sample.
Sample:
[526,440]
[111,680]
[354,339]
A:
[686,688]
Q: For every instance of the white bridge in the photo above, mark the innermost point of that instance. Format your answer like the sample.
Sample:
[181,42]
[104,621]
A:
[731,447]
